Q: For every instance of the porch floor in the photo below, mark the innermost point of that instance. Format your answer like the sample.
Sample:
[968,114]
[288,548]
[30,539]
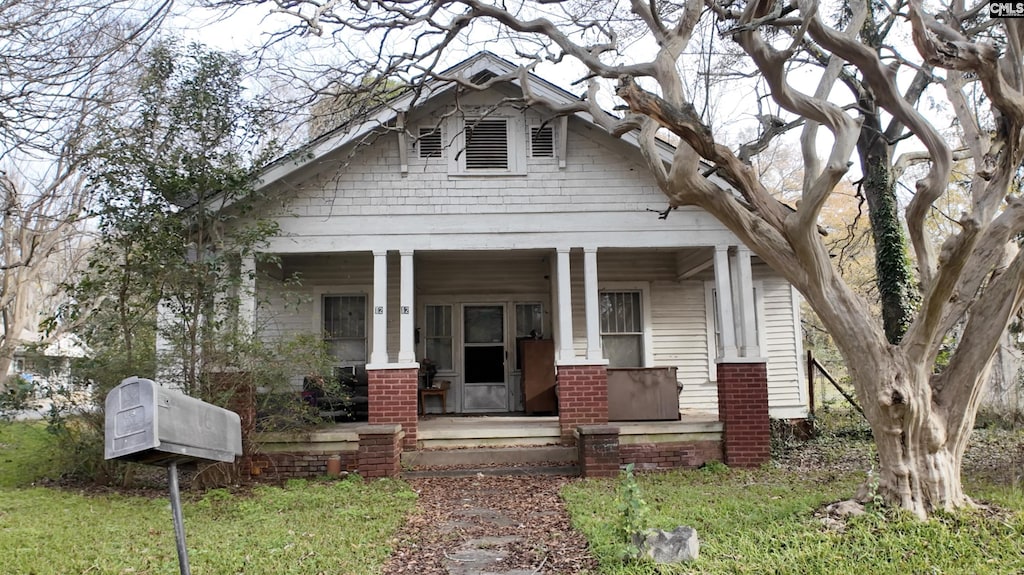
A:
[452,432]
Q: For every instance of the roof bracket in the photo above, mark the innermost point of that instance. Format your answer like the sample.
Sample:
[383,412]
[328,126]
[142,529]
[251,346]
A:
[563,133]
[403,145]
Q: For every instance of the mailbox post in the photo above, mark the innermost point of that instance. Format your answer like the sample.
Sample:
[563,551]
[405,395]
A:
[146,423]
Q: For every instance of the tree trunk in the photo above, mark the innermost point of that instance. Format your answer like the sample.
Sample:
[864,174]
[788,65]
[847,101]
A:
[892,265]
[919,458]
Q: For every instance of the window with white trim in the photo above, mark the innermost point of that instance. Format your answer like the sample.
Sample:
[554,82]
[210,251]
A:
[622,330]
[438,336]
[344,328]
[542,141]
[492,144]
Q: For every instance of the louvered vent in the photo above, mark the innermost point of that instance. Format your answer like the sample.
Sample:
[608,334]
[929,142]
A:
[542,141]
[486,144]
[429,143]
[482,76]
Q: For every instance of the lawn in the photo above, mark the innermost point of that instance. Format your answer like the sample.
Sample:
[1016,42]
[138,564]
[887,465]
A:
[764,521]
[304,527]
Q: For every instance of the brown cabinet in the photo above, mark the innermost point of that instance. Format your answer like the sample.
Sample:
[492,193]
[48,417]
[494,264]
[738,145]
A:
[643,394]
[537,358]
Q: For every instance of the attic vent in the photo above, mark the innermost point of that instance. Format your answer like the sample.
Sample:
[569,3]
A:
[542,141]
[482,76]
[429,142]
[487,144]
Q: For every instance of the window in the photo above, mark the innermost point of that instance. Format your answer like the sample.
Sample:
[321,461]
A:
[622,333]
[345,328]
[438,336]
[487,144]
[529,324]
[542,141]
[429,143]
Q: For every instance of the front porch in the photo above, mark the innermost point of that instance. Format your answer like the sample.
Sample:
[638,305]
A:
[492,441]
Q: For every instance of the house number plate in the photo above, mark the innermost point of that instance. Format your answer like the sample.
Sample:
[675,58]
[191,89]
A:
[379,310]
[405,310]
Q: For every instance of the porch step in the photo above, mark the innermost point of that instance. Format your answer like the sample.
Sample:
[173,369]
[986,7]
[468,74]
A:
[526,470]
[502,461]
[488,432]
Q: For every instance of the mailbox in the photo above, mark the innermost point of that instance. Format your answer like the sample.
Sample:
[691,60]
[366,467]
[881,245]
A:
[147,423]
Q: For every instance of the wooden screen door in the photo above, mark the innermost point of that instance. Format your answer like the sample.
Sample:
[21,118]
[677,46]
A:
[483,357]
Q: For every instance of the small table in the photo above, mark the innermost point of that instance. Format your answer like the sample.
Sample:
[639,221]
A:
[434,392]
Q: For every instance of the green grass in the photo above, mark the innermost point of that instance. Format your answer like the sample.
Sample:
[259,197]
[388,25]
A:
[26,453]
[305,527]
[763,522]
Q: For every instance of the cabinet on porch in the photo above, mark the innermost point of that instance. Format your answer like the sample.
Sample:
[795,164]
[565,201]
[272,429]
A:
[538,375]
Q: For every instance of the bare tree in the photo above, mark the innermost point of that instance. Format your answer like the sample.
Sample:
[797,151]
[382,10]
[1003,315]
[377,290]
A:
[973,281]
[59,69]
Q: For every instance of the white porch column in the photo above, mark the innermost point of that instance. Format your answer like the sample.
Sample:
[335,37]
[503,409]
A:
[247,294]
[379,352]
[723,293]
[407,346]
[565,347]
[745,291]
[592,303]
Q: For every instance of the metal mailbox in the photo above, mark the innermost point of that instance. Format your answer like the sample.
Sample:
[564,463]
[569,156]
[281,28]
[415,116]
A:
[147,423]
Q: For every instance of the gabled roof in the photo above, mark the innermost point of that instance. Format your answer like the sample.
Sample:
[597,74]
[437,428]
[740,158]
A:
[354,130]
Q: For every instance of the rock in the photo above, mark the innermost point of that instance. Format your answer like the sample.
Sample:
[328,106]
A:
[676,546]
[848,508]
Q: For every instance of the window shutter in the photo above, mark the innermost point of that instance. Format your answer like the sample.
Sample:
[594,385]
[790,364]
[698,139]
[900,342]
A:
[542,141]
[429,143]
[487,144]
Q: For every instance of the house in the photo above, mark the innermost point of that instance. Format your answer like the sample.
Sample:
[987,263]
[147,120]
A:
[477,226]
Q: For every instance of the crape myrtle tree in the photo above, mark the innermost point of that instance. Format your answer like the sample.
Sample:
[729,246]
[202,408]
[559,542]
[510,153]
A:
[638,57]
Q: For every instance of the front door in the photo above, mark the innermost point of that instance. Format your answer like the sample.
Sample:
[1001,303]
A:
[484,356]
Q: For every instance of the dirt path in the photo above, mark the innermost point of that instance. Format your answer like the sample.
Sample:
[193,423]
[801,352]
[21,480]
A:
[486,525]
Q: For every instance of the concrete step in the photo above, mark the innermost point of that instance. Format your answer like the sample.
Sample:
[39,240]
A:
[559,470]
[489,457]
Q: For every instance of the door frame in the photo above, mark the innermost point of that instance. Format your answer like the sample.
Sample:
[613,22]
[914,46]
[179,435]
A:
[463,345]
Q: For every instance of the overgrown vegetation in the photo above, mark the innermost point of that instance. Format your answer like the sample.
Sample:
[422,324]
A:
[772,520]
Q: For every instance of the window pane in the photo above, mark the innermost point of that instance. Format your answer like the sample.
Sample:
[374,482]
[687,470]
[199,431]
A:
[439,320]
[439,350]
[529,319]
[620,312]
[484,324]
[345,316]
[347,350]
[438,334]
[623,350]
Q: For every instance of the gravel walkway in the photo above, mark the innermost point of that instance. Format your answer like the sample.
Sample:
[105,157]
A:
[486,525]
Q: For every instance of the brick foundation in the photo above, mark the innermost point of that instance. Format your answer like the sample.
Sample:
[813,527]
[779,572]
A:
[392,399]
[582,398]
[680,454]
[380,451]
[598,447]
[265,466]
[743,409]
